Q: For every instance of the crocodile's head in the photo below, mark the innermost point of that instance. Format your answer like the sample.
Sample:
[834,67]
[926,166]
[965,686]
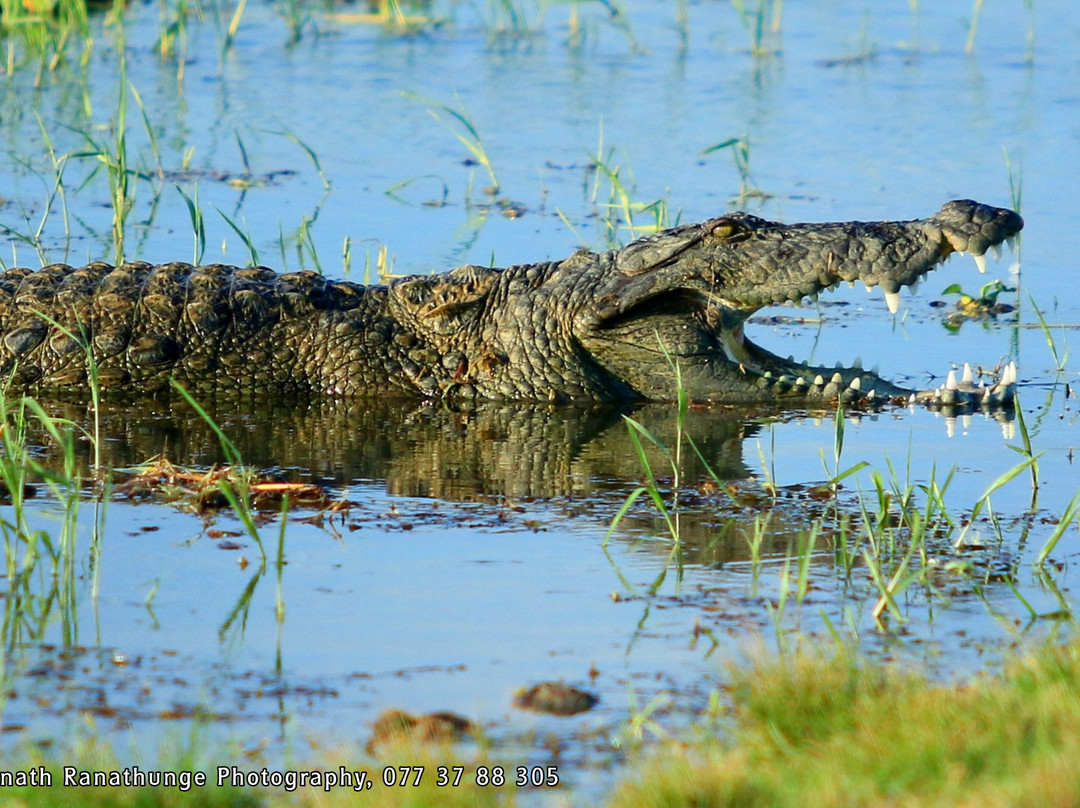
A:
[684,295]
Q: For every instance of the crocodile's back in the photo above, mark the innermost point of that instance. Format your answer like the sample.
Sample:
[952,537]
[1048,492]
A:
[209,327]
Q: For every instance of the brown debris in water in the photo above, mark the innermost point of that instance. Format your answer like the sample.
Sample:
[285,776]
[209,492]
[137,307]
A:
[397,726]
[555,698]
[203,491]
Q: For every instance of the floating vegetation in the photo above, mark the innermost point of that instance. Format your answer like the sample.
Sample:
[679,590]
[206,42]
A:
[978,306]
[203,491]
[403,18]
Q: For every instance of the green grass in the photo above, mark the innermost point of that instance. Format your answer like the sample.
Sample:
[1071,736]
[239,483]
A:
[837,731]
[672,455]
[41,566]
[740,155]
[46,30]
[761,21]
[463,129]
[617,209]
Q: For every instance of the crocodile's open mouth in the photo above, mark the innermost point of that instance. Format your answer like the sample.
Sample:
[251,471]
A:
[702,330]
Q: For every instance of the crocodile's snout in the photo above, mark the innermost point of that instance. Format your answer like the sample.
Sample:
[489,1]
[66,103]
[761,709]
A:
[969,226]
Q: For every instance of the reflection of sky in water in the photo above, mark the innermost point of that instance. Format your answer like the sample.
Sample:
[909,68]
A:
[890,137]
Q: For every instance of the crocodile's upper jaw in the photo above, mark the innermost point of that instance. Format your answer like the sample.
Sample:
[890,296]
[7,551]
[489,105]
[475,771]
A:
[690,305]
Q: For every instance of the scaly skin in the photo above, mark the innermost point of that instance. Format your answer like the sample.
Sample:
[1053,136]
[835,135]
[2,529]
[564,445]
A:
[588,327]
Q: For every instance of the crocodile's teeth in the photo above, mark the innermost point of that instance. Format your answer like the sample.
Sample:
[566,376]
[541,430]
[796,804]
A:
[855,384]
[1011,241]
[1008,376]
[914,286]
[950,381]
[965,421]
[980,262]
[950,427]
[851,284]
[837,379]
[818,381]
[996,250]
[967,378]
[892,300]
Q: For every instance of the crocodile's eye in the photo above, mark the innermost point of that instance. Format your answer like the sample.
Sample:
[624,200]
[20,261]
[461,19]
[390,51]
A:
[727,230]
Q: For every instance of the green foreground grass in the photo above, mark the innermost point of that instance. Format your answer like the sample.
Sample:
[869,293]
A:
[844,732]
[802,730]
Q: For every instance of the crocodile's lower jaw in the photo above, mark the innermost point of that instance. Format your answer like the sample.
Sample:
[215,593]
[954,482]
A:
[852,386]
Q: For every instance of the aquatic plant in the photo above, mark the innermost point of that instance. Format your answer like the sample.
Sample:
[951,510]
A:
[641,719]
[1029,39]
[172,39]
[393,16]
[245,237]
[198,223]
[234,487]
[227,35]
[762,25]
[469,137]
[46,29]
[621,211]
[673,456]
[740,155]
[1060,355]
[41,570]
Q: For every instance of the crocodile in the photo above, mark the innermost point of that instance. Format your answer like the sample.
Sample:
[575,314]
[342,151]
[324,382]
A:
[621,324]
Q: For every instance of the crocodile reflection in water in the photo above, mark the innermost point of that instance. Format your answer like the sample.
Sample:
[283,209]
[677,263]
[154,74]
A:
[579,459]
[488,451]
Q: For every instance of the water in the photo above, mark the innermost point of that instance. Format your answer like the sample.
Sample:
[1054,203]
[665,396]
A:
[471,562]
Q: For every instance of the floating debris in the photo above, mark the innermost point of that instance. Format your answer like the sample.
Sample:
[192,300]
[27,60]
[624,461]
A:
[206,490]
[395,726]
[555,698]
